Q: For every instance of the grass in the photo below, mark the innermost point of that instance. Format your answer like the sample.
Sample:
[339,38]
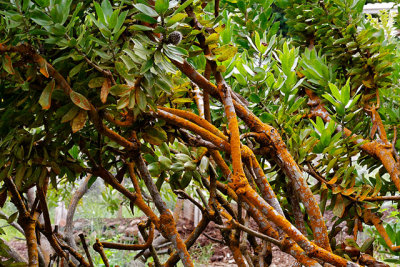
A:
[200,255]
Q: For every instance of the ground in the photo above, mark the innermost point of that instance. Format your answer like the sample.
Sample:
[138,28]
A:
[216,254]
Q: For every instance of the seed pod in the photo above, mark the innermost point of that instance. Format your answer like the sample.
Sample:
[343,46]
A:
[174,38]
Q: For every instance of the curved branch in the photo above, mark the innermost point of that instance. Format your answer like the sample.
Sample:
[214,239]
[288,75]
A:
[68,232]
[146,245]
[379,149]
[167,223]
[271,138]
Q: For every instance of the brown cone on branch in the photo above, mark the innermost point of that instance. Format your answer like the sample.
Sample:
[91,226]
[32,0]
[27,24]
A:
[174,38]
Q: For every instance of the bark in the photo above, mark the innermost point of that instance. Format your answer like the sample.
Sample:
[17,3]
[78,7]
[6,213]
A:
[270,137]
[167,223]
[380,149]
[82,189]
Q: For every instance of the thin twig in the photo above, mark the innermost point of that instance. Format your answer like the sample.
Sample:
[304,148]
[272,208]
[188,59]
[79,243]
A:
[85,247]
[214,239]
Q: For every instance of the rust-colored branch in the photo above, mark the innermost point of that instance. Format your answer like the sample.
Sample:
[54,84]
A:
[27,222]
[126,123]
[297,214]
[85,247]
[44,208]
[376,148]
[189,242]
[265,227]
[146,245]
[48,233]
[197,120]
[138,198]
[370,217]
[205,134]
[249,190]
[73,252]
[311,170]
[183,195]
[50,71]
[376,120]
[245,151]
[271,138]
[167,223]
[98,247]
[255,233]
[263,184]
[153,252]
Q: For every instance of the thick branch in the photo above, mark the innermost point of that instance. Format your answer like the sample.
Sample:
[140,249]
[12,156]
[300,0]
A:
[82,189]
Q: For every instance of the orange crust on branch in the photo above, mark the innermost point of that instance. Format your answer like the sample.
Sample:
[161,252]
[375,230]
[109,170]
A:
[279,150]
[380,149]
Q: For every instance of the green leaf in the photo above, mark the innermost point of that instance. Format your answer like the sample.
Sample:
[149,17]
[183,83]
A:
[107,8]
[225,52]
[155,135]
[41,18]
[171,54]
[99,12]
[345,92]
[165,162]
[146,10]
[296,105]
[12,217]
[140,28]
[80,100]
[120,89]
[213,38]
[145,18]
[43,3]
[141,100]
[7,64]
[255,98]
[175,18]
[75,70]
[96,82]
[161,6]
[154,169]
[113,19]
[74,152]
[45,97]
[204,163]
[120,21]
[183,6]
[257,42]
[335,92]
[186,179]
[330,99]
[378,185]
[147,65]
[70,114]
[267,117]
[177,167]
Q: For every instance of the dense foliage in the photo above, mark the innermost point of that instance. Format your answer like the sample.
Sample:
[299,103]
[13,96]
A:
[150,91]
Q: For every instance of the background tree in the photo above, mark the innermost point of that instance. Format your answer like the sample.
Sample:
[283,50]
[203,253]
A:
[210,94]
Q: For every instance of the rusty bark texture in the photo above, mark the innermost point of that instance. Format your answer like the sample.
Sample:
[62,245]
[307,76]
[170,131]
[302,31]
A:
[243,178]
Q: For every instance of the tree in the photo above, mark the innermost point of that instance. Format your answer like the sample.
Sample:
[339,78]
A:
[207,94]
